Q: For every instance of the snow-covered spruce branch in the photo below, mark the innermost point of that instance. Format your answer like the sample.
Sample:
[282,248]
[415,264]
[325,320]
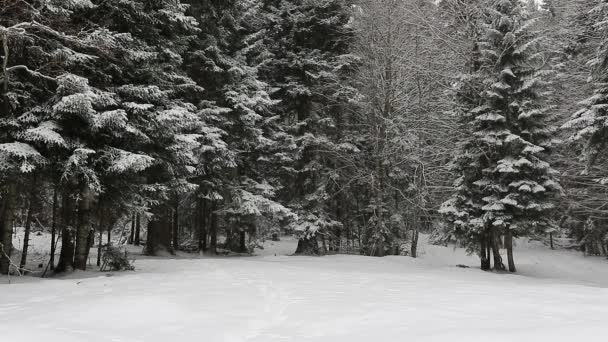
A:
[27,28]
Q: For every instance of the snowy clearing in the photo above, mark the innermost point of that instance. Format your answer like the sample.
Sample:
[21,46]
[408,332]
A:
[269,298]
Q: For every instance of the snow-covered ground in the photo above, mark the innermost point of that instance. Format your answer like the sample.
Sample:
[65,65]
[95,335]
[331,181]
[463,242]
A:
[557,296]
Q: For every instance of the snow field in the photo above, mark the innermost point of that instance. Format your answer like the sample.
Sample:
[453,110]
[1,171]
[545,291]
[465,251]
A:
[339,298]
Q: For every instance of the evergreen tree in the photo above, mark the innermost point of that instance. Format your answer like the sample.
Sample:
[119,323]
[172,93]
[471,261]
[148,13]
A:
[236,182]
[38,47]
[504,162]
[305,53]
[159,100]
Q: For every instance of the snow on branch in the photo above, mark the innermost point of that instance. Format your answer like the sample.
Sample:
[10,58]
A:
[124,161]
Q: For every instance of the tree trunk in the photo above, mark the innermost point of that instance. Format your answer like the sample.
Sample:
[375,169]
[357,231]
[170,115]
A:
[152,240]
[509,247]
[109,239]
[308,246]
[489,252]
[132,235]
[213,244]
[137,230]
[414,248]
[90,244]
[484,256]
[415,224]
[100,243]
[198,227]
[175,225]
[550,240]
[243,241]
[159,232]
[7,215]
[230,240]
[7,197]
[66,256]
[83,229]
[5,108]
[498,265]
[324,244]
[204,223]
[28,224]
[53,229]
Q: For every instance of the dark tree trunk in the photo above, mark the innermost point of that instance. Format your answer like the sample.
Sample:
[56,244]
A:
[214,223]
[7,213]
[109,236]
[198,227]
[414,248]
[498,265]
[66,256]
[153,238]
[90,243]
[360,214]
[489,252]
[26,237]
[308,246]
[509,247]
[243,242]
[204,223]
[53,229]
[100,243]
[416,222]
[8,192]
[137,230]
[324,244]
[550,240]
[379,249]
[175,225]
[83,230]
[28,225]
[159,233]
[132,234]
[230,240]
[484,256]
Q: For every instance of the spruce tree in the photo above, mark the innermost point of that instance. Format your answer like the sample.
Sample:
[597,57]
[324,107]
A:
[507,166]
[160,102]
[37,47]
[237,183]
[304,54]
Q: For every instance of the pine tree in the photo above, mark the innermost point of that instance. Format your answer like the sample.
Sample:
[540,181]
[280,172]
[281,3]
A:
[304,53]
[512,135]
[37,48]
[160,102]
[241,108]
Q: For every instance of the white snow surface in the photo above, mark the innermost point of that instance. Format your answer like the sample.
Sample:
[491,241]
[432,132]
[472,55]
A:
[556,296]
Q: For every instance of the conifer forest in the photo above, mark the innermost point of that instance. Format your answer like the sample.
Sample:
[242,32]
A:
[303,170]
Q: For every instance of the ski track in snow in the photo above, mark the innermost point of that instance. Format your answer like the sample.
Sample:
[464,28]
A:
[558,296]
